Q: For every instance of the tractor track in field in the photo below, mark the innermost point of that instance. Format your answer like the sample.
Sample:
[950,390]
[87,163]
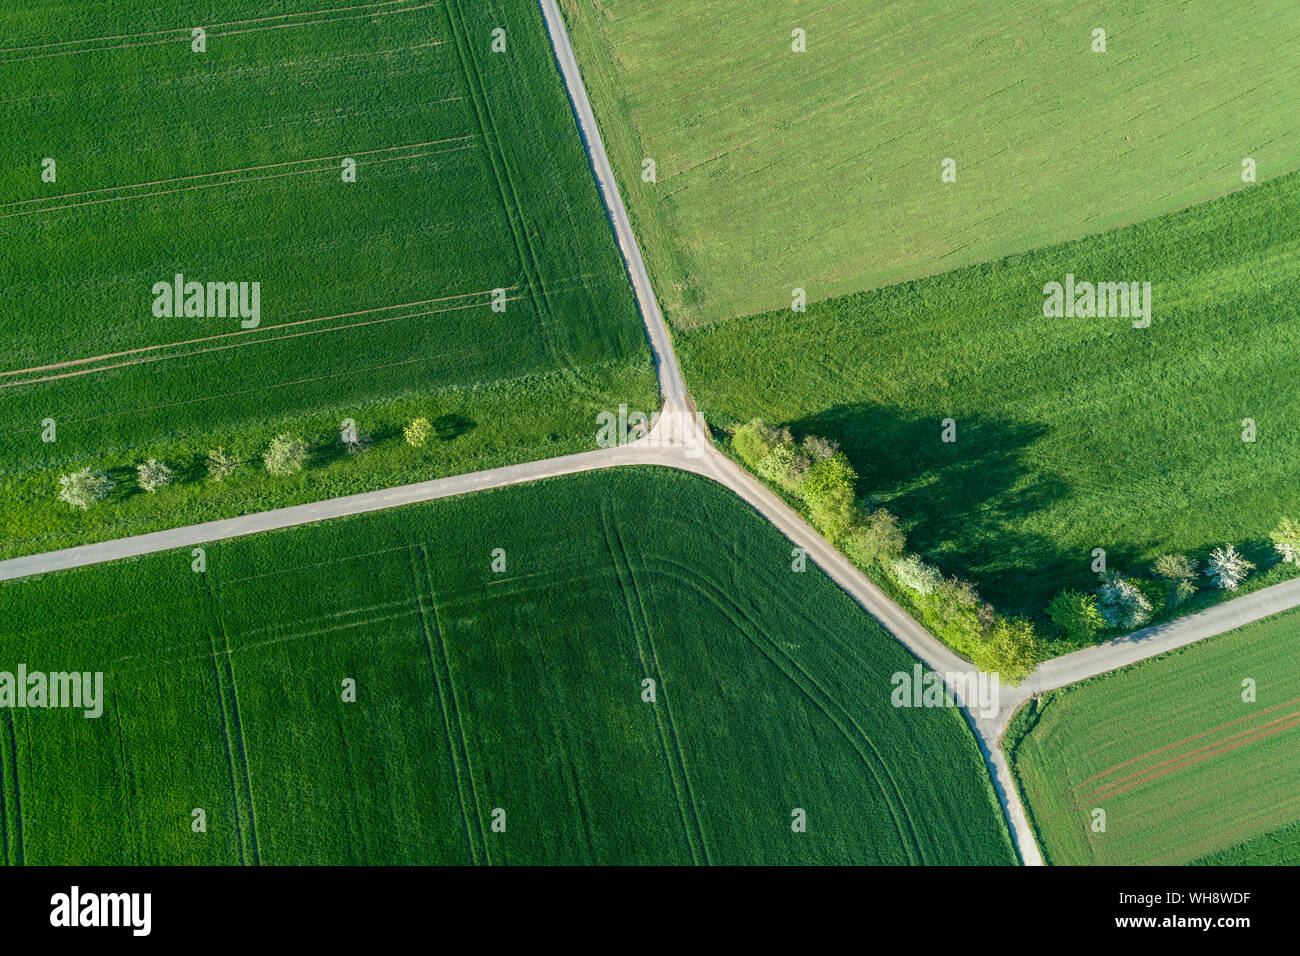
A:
[678,441]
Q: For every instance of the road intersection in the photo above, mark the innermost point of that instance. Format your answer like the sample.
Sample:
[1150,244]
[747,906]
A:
[679,439]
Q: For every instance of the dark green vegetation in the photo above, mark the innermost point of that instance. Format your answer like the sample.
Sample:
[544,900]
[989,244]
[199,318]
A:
[1279,848]
[1072,433]
[819,481]
[477,690]
[821,170]
[376,295]
[1184,766]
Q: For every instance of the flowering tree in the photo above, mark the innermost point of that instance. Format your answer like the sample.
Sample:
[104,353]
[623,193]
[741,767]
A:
[1227,567]
[1121,603]
[220,464]
[285,455]
[83,488]
[152,475]
[911,572]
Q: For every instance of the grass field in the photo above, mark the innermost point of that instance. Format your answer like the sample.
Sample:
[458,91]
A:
[821,170]
[1278,848]
[477,690]
[1072,433]
[226,166]
[1183,767]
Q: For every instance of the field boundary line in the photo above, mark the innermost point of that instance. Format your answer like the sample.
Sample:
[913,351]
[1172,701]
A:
[501,176]
[1227,745]
[564,750]
[233,182]
[212,32]
[822,700]
[455,737]
[684,811]
[266,340]
[18,793]
[674,760]
[132,790]
[12,834]
[186,29]
[4,814]
[1186,740]
[1205,847]
[260,328]
[214,625]
[231,172]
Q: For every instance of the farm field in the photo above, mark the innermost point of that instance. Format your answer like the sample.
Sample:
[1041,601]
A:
[1071,433]
[821,170]
[477,690]
[376,296]
[1182,765]
[1278,848]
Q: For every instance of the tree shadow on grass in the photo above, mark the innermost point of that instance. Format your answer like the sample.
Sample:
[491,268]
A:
[964,502]
[444,428]
[190,470]
[124,484]
[448,427]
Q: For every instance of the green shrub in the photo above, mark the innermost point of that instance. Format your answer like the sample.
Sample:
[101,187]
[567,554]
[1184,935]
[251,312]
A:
[1180,572]
[1012,650]
[1286,540]
[874,537]
[1077,615]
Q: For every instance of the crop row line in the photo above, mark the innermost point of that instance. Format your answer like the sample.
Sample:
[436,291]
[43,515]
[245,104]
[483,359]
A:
[231,182]
[185,34]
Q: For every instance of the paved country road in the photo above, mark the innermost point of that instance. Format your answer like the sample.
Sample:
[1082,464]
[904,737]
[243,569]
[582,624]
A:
[1148,642]
[678,441]
[670,375]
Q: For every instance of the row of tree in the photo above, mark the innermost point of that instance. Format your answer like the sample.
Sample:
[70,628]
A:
[816,473]
[285,455]
[1124,603]
[820,477]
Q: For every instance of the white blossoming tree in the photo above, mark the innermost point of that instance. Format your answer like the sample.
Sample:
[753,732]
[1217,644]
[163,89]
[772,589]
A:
[152,475]
[285,455]
[1121,603]
[83,488]
[913,573]
[1227,567]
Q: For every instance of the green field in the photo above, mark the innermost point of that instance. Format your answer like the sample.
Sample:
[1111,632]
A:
[477,690]
[1072,433]
[375,295]
[821,170]
[1184,768]
[1279,848]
